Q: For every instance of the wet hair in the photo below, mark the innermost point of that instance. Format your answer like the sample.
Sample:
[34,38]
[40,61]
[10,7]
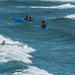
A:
[43,21]
[26,15]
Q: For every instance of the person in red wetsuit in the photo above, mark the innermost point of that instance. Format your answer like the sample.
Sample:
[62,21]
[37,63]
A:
[29,19]
[3,42]
[26,17]
[43,24]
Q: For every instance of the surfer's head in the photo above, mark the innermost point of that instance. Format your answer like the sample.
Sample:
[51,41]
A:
[26,15]
[3,42]
[42,21]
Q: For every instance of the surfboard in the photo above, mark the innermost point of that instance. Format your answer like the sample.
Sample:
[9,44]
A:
[17,19]
[39,27]
[12,44]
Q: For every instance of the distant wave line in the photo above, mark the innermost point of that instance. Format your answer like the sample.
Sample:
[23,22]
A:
[63,6]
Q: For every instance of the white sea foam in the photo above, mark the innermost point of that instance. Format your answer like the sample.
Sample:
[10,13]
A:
[63,6]
[72,16]
[9,53]
[32,71]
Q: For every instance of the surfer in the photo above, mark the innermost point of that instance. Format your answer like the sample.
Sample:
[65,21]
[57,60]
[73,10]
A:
[43,24]
[26,18]
[29,19]
[3,42]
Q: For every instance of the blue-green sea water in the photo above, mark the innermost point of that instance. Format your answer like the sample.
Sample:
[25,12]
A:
[48,51]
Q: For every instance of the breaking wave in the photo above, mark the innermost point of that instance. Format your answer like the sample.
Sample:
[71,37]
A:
[72,16]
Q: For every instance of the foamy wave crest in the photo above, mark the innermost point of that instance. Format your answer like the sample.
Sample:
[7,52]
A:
[60,0]
[32,71]
[72,16]
[17,53]
[64,6]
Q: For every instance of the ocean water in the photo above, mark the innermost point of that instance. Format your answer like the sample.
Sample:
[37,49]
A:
[45,51]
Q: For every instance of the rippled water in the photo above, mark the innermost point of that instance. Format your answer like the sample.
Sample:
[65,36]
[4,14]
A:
[45,51]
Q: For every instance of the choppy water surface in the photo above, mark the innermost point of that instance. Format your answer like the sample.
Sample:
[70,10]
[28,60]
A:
[45,51]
